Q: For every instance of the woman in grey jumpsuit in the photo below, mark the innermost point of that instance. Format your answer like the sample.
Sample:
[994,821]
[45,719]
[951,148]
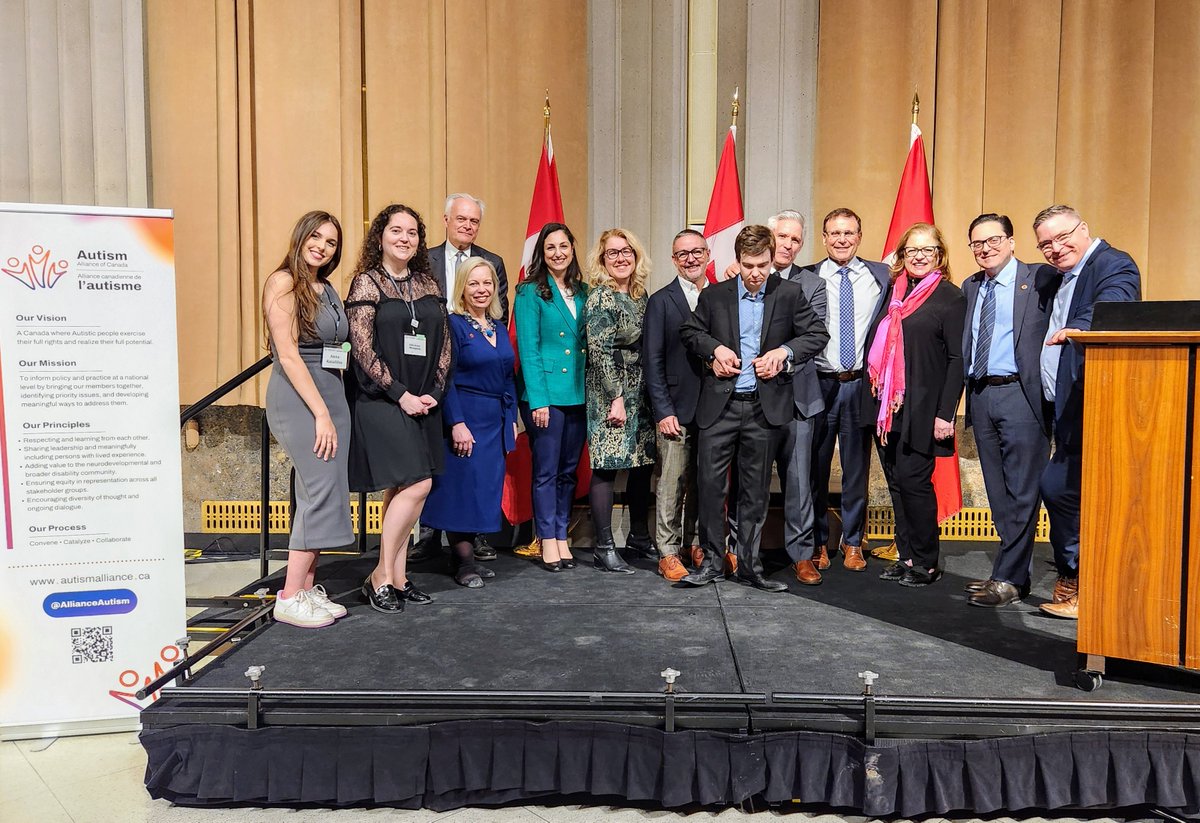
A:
[306,409]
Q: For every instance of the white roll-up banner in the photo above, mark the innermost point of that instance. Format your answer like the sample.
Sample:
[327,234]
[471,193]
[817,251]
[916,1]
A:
[91,543]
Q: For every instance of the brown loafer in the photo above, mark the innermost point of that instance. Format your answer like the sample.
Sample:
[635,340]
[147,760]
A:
[807,574]
[730,563]
[852,558]
[1067,609]
[821,558]
[1064,589]
[997,593]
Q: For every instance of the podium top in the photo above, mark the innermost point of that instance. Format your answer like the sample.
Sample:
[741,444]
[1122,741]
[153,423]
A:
[1136,338]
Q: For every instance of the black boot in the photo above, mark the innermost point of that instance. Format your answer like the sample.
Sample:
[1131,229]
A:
[604,554]
[641,545]
[427,546]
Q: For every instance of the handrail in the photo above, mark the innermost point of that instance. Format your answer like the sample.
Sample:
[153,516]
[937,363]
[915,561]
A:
[222,390]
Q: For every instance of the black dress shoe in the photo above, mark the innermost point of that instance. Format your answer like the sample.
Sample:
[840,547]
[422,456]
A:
[703,576]
[915,577]
[483,549]
[894,571]
[485,572]
[997,593]
[427,547]
[469,577]
[607,560]
[411,594]
[383,598]
[761,583]
[641,545]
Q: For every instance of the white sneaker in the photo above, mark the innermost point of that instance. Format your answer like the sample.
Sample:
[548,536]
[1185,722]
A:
[317,595]
[301,610]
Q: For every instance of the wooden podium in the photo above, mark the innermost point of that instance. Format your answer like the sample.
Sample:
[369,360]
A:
[1139,587]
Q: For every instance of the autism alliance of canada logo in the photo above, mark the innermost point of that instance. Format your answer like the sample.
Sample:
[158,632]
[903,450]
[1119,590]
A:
[37,270]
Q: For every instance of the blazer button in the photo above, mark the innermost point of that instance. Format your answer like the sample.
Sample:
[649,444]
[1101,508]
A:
[568,351]
[562,334]
[728,390]
[564,371]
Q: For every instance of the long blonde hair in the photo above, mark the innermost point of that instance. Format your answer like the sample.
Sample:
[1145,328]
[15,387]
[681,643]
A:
[598,275]
[463,273]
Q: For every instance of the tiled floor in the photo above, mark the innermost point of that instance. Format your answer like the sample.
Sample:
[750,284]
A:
[98,778]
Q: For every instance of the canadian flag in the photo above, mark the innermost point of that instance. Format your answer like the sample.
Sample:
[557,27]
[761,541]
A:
[725,216]
[914,204]
[546,207]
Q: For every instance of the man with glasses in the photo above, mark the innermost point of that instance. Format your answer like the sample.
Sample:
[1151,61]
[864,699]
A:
[1088,271]
[673,384]
[854,292]
[1008,311]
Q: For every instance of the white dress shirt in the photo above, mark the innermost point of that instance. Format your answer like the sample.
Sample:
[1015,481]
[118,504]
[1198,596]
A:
[452,270]
[691,292]
[866,298]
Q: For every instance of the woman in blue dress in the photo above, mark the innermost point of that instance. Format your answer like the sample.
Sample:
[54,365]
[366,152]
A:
[480,410]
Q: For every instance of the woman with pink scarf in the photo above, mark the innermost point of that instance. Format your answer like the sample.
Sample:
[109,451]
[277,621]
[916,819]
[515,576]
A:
[914,361]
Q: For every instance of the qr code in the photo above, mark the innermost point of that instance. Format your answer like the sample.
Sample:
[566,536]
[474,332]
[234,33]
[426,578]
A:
[92,644]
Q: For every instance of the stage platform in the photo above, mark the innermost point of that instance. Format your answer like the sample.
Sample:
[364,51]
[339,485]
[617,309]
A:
[549,685]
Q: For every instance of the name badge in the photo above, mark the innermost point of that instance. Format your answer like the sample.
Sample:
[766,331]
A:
[414,344]
[335,356]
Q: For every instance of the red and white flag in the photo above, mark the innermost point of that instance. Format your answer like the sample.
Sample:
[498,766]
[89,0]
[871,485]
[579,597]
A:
[725,216]
[914,204]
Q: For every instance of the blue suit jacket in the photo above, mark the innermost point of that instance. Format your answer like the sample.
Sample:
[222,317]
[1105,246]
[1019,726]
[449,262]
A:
[1110,275]
[551,345]
[1033,300]
[672,373]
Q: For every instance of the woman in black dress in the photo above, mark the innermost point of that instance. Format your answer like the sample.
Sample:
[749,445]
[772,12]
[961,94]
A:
[401,354]
[916,378]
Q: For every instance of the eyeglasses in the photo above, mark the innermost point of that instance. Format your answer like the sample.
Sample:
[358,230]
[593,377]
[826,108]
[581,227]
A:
[912,252]
[994,241]
[613,254]
[690,254]
[840,235]
[1061,239]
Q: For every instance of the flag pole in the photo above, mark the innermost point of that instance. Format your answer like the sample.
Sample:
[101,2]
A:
[916,107]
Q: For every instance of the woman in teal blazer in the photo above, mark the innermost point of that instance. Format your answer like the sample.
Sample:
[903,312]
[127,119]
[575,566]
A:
[552,347]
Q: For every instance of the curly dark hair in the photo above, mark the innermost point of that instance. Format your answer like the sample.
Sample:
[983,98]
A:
[371,255]
[538,275]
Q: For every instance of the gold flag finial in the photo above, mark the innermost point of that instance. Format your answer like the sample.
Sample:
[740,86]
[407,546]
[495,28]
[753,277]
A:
[546,114]
[733,109]
[916,106]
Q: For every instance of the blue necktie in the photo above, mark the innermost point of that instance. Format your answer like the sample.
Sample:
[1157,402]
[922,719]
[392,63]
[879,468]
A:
[846,320]
[987,322]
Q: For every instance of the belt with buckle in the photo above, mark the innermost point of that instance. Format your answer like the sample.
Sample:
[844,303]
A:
[841,376]
[744,395]
[995,380]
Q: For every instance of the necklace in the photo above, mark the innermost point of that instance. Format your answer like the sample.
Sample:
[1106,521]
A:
[486,332]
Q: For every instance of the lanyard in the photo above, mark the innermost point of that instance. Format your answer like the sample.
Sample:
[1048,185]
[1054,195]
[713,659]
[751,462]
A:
[408,301]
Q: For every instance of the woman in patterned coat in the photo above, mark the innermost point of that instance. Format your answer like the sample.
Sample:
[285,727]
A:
[620,427]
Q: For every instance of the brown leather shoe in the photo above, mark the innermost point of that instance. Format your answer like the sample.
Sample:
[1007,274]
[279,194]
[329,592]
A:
[995,594]
[852,558]
[671,568]
[697,555]
[730,563]
[1064,589]
[973,586]
[807,574]
[1067,609]
[821,558]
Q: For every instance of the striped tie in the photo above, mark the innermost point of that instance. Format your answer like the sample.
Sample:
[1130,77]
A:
[846,339]
[987,322]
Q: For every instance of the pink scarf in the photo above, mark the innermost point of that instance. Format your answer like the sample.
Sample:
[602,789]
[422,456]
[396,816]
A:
[885,362]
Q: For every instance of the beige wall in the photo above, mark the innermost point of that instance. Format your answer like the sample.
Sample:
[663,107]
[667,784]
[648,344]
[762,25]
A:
[256,116]
[1024,103]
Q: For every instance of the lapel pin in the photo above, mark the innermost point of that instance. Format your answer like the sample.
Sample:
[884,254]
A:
[1024,286]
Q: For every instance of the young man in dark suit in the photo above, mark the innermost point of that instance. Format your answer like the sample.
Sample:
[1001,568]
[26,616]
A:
[462,216]
[1008,310]
[751,332]
[673,383]
[1086,271]
[854,298]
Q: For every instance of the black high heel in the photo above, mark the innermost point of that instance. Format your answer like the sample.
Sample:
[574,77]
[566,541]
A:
[550,567]
[567,563]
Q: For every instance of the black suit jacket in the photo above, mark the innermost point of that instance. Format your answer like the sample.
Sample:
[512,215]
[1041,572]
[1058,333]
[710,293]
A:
[933,369]
[437,268]
[788,320]
[1033,300]
[672,373]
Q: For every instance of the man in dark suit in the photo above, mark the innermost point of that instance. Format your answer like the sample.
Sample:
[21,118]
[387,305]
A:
[673,383]
[1008,311]
[1086,272]
[463,215]
[854,291]
[748,331]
